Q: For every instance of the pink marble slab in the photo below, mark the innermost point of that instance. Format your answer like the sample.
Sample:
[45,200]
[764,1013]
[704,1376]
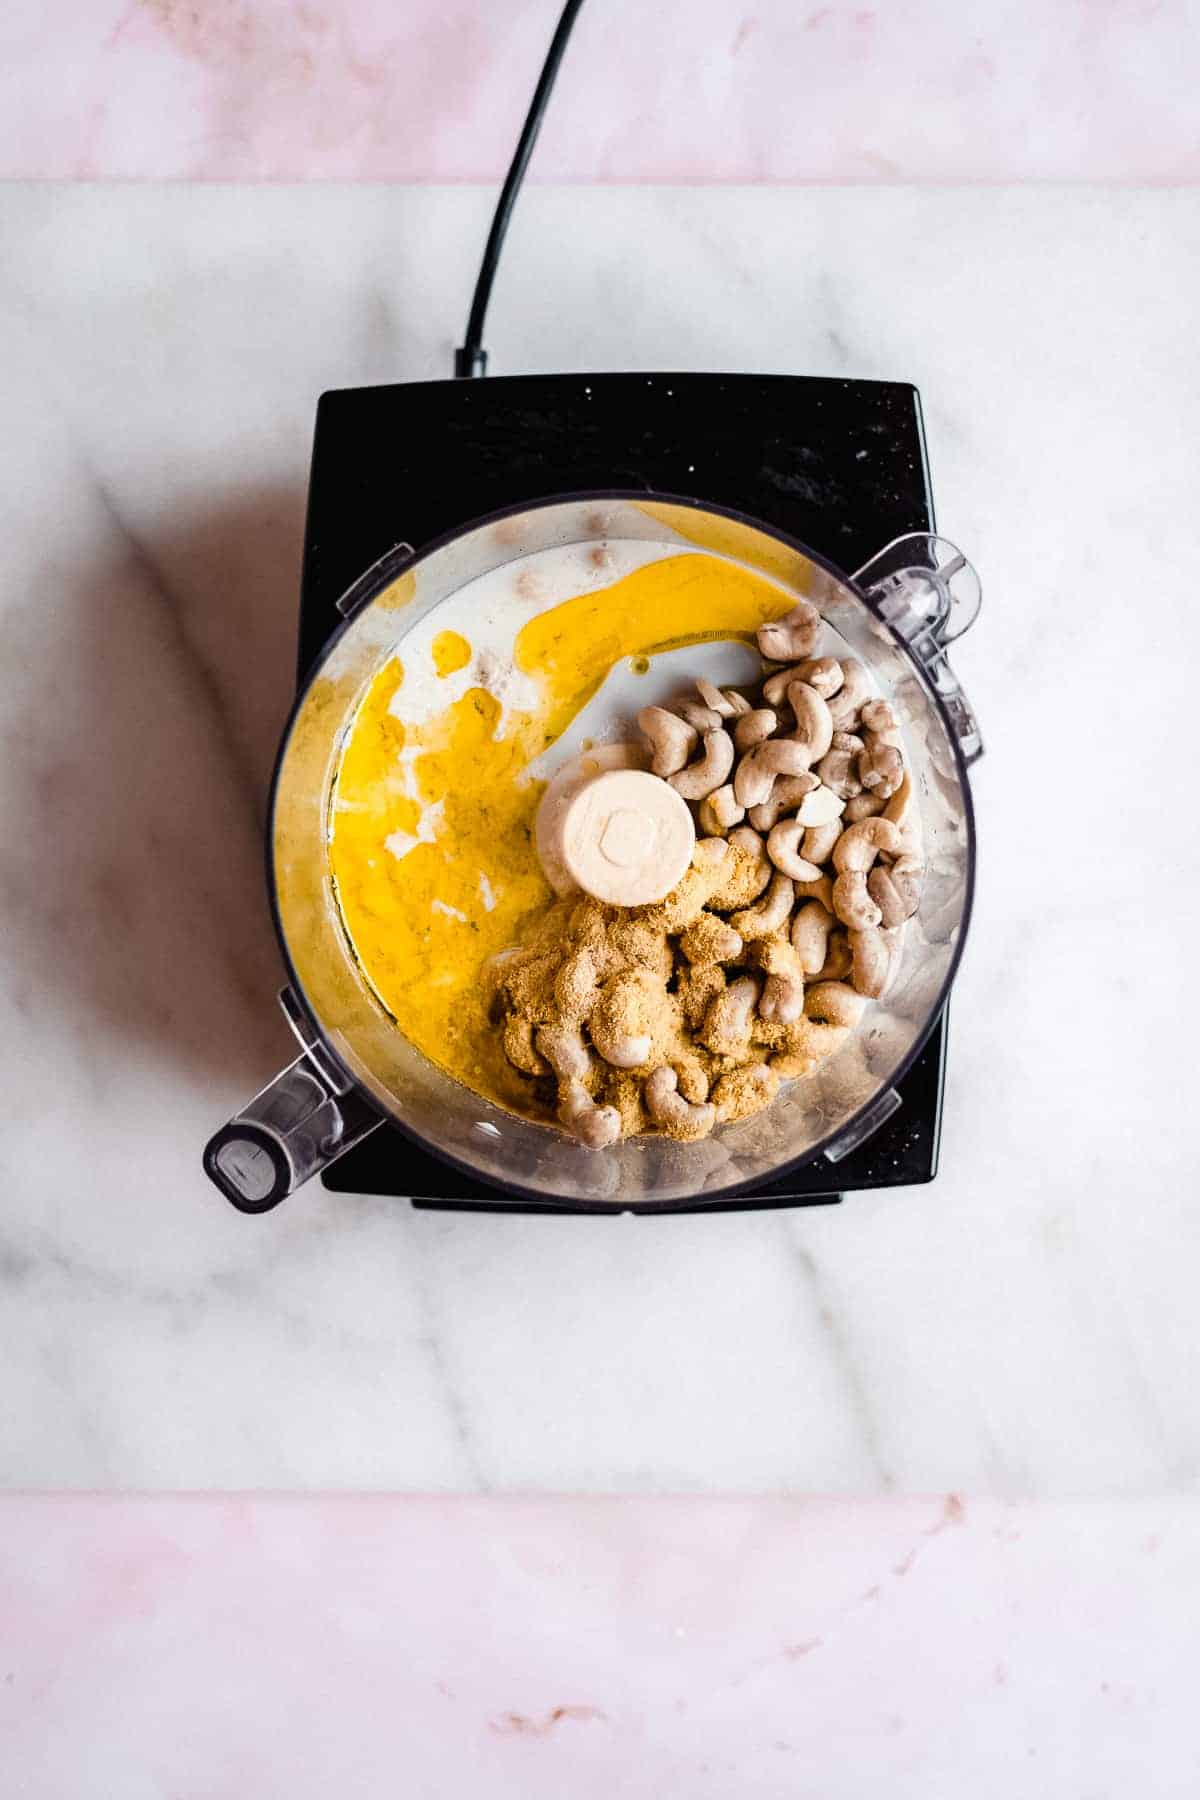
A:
[684,90]
[224,1648]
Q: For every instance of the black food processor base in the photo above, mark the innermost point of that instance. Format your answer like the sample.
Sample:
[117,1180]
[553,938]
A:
[838,464]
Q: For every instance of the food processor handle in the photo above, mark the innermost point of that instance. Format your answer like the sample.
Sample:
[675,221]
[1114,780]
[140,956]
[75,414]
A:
[925,589]
[297,1125]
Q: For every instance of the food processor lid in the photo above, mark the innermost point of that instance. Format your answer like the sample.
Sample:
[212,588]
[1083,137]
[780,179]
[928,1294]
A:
[923,583]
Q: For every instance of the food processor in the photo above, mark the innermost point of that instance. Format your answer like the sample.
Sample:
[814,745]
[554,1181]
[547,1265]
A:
[819,485]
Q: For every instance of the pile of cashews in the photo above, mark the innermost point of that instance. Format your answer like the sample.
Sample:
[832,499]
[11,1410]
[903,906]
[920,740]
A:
[687,1014]
[814,773]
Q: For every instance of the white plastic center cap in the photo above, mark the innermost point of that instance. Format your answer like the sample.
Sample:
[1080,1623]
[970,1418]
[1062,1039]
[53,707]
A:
[623,839]
[627,838]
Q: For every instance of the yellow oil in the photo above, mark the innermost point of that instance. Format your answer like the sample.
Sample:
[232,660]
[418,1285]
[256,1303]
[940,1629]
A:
[451,651]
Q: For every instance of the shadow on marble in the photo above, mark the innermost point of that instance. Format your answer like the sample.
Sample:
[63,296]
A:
[139,899]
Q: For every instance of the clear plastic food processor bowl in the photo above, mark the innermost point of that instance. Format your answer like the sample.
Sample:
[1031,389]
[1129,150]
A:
[897,614]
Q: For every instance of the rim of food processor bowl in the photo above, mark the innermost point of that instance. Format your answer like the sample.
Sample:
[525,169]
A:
[366,588]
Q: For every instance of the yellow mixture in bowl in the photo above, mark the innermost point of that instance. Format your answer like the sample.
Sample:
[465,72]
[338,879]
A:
[432,851]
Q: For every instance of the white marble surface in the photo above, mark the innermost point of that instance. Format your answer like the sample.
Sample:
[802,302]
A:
[681,90]
[1026,1326]
[535,1649]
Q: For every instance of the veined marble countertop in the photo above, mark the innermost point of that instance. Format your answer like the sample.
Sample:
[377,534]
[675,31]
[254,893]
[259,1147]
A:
[527,1650]
[1026,1326]
[681,90]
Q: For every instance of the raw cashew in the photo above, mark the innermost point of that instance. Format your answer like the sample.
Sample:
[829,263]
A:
[860,844]
[783,996]
[822,673]
[783,999]
[900,806]
[638,943]
[821,807]
[711,940]
[880,720]
[671,739]
[564,1049]
[809,1044]
[791,637]
[712,866]
[810,935]
[855,688]
[838,960]
[863,806]
[834,1003]
[700,718]
[684,1119]
[595,1126]
[787,792]
[740,1093]
[838,768]
[819,841]
[519,1046]
[759,767]
[696,987]
[623,1020]
[727,1022]
[728,703]
[783,848]
[754,726]
[770,913]
[880,767]
[719,810]
[748,873]
[853,855]
[691,1074]
[747,839]
[821,889]
[814,723]
[775,687]
[710,773]
[896,890]
[869,962]
[710,853]
[576,986]
[625,1051]
[852,903]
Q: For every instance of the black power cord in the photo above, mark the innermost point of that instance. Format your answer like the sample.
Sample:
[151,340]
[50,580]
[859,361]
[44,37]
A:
[471,358]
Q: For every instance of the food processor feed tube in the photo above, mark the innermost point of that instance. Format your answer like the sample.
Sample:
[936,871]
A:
[896,616]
